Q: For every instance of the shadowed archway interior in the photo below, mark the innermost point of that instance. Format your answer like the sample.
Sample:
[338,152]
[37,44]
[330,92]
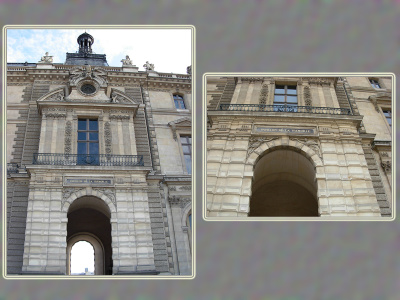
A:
[91,215]
[284,185]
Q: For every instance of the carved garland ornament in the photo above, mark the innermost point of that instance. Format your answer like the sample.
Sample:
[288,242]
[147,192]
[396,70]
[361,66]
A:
[264,94]
[108,138]
[67,140]
[307,96]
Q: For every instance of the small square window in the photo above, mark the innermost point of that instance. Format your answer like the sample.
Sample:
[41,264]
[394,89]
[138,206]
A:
[375,84]
[179,102]
[388,115]
[285,95]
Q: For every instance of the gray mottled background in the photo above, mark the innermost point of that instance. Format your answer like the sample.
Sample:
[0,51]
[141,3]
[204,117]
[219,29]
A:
[246,260]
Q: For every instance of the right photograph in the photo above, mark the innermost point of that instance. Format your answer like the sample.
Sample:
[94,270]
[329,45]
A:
[299,146]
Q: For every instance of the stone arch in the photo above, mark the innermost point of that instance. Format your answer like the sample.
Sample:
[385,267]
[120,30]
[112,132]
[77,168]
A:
[282,143]
[310,152]
[187,209]
[97,246]
[88,191]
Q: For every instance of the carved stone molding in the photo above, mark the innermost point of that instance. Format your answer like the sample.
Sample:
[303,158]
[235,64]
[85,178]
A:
[109,193]
[319,80]
[67,192]
[178,201]
[186,188]
[57,95]
[182,123]
[387,166]
[307,96]
[374,101]
[67,140]
[252,79]
[118,96]
[255,142]
[384,154]
[263,94]
[312,144]
[120,117]
[90,73]
[55,115]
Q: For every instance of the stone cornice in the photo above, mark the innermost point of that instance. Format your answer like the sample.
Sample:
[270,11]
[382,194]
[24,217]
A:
[114,76]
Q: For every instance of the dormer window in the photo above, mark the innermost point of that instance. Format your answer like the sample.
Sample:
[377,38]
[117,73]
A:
[375,84]
[179,102]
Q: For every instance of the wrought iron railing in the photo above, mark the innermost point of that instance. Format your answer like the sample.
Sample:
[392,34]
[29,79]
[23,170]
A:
[60,159]
[285,108]
[12,168]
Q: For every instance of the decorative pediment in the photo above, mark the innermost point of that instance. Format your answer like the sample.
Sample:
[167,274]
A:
[88,72]
[57,95]
[182,123]
[120,97]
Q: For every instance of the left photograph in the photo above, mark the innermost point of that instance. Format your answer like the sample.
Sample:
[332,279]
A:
[98,148]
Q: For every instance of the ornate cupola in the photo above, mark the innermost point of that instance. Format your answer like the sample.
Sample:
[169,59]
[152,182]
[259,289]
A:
[85,42]
[85,55]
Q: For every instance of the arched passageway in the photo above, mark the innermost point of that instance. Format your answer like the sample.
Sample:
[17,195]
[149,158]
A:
[89,220]
[284,185]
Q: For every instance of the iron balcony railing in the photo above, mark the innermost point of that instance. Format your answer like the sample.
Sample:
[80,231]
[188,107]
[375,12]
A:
[285,108]
[60,159]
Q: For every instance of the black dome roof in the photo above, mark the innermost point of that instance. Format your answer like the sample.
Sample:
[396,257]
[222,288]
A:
[85,35]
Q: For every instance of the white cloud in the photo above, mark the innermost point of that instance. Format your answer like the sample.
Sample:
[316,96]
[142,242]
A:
[168,49]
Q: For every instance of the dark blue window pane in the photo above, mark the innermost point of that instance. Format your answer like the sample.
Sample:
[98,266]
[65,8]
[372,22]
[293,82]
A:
[178,97]
[188,162]
[93,148]
[179,104]
[81,124]
[81,136]
[93,125]
[81,148]
[93,136]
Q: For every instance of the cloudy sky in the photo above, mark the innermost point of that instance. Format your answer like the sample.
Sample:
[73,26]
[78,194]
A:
[168,49]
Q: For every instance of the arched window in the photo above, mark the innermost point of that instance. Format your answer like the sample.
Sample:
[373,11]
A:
[179,102]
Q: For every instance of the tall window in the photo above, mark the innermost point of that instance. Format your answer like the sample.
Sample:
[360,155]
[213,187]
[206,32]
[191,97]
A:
[88,142]
[179,103]
[186,142]
[375,84]
[285,95]
[388,115]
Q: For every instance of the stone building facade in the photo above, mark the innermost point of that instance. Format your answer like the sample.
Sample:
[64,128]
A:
[293,146]
[100,154]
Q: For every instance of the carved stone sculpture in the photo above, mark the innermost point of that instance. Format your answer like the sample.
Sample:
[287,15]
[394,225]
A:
[148,66]
[46,59]
[127,61]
